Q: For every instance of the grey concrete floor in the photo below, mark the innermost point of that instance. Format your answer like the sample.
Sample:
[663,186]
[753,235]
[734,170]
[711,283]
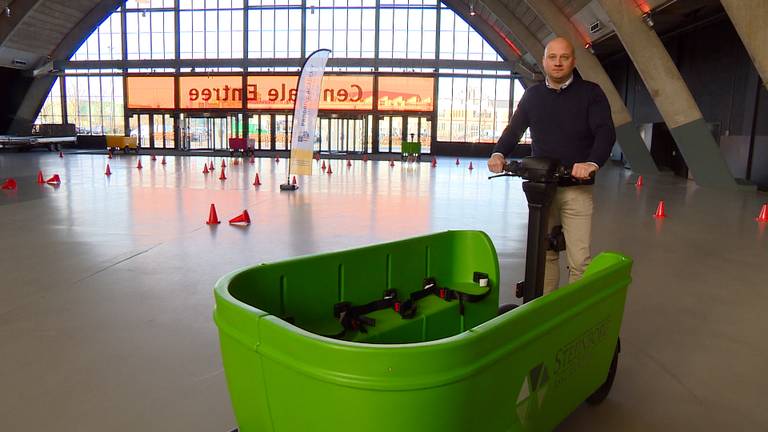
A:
[106,283]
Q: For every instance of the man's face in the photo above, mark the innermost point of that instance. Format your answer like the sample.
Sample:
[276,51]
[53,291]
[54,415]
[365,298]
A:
[559,61]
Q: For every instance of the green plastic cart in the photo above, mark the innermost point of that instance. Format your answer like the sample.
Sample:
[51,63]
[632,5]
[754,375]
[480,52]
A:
[408,336]
[288,368]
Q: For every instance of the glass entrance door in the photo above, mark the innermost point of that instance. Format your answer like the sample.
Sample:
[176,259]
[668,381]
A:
[210,133]
[342,135]
[393,130]
[153,130]
[260,131]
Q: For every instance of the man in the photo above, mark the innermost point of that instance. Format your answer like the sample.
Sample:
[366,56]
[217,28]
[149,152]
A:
[570,120]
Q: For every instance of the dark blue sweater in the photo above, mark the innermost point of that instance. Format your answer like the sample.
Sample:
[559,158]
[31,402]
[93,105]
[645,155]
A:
[573,124]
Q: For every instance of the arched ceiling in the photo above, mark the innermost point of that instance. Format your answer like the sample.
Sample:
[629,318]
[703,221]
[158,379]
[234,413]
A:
[38,31]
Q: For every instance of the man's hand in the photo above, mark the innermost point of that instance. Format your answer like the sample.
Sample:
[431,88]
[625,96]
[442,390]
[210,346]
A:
[583,170]
[496,163]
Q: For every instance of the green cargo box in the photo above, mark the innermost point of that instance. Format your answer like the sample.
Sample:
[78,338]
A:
[441,370]
[411,148]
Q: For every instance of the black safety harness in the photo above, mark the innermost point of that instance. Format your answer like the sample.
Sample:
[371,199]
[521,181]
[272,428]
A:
[353,318]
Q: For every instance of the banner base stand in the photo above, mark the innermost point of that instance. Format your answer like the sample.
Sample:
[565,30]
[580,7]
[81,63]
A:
[288,187]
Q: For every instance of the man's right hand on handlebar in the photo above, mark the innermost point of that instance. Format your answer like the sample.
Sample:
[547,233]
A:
[496,163]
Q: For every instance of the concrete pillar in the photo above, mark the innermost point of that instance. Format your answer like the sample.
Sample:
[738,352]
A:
[670,94]
[750,18]
[590,68]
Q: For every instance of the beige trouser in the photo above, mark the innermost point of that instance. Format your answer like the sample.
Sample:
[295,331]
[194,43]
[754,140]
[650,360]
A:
[571,208]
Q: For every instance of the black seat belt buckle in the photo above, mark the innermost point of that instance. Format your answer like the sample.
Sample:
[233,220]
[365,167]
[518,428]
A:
[481,279]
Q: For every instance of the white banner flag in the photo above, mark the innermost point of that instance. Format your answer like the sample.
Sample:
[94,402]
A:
[305,112]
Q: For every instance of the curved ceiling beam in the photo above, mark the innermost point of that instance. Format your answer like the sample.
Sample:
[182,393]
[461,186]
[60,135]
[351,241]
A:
[529,41]
[495,37]
[20,9]
[33,101]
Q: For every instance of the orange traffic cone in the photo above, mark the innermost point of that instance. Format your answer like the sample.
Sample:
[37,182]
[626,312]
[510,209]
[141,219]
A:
[470,166]
[660,213]
[153,157]
[162,161]
[107,172]
[365,158]
[277,159]
[639,182]
[213,218]
[40,179]
[252,160]
[294,181]
[235,162]
[391,162]
[323,167]
[243,218]
[763,216]
[211,167]
[55,179]
[9,184]
[257,181]
[330,171]
[223,164]
[349,163]
[109,154]
[222,176]
[205,169]
[434,161]
[61,155]
[138,165]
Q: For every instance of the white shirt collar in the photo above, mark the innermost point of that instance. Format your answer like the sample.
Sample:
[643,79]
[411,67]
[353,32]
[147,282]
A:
[562,87]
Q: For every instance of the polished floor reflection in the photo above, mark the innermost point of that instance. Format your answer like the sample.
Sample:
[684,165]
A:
[106,282]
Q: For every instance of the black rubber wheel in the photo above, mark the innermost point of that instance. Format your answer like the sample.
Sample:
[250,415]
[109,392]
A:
[602,392]
[506,308]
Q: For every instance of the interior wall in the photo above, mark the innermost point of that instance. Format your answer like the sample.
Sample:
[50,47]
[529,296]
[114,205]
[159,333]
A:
[12,90]
[725,84]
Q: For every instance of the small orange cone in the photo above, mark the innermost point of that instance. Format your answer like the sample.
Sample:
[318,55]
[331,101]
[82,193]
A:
[211,167]
[457,162]
[330,171]
[107,172]
[235,162]
[391,162]
[365,158]
[660,213]
[257,181]
[323,167]
[138,165]
[9,184]
[434,161]
[763,216]
[205,169]
[222,176]
[153,158]
[349,163]
[252,160]
[294,181]
[213,218]
[243,218]
[40,179]
[639,182]
[470,166]
[163,160]
[277,159]
[55,179]
[223,164]
[61,154]
[109,154]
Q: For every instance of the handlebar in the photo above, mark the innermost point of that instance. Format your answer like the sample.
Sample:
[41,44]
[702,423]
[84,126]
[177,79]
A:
[539,169]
